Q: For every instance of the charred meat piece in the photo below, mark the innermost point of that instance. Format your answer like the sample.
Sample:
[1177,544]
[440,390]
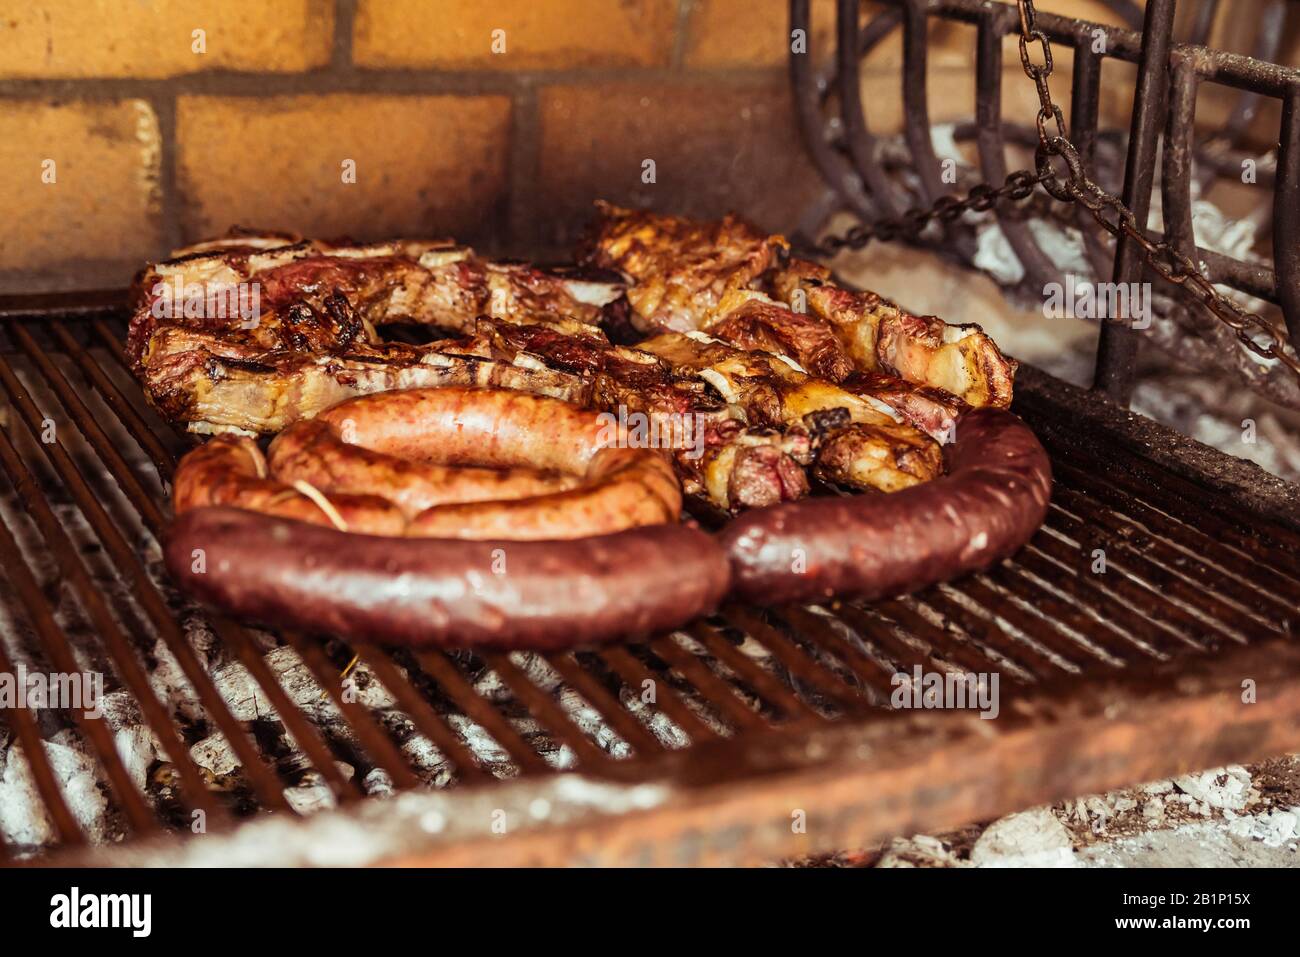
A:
[252,292]
[845,429]
[758,323]
[887,458]
[681,268]
[719,458]
[878,336]
[215,386]
[933,411]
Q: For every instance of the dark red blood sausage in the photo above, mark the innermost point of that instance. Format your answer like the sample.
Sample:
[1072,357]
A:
[991,501]
[452,593]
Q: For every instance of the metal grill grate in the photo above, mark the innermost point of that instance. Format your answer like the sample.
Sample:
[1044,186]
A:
[1188,573]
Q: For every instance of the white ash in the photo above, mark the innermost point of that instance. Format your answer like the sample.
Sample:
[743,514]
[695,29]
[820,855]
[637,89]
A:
[1034,838]
[589,721]
[139,749]
[216,755]
[377,783]
[660,725]
[922,850]
[751,701]
[1276,828]
[310,797]
[1210,818]
[1222,788]
[23,817]
[482,744]
[429,762]
[491,686]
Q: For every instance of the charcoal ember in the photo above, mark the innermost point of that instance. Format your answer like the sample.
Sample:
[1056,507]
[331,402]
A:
[367,690]
[659,724]
[310,797]
[23,818]
[921,850]
[120,710]
[481,743]
[139,749]
[242,694]
[1033,838]
[590,722]
[377,783]
[427,760]
[167,678]
[216,755]
[490,685]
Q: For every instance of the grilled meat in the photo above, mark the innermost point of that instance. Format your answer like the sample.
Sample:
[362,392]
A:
[933,411]
[685,276]
[760,323]
[719,456]
[681,269]
[214,386]
[857,440]
[254,293]
[760,367]
[878,336]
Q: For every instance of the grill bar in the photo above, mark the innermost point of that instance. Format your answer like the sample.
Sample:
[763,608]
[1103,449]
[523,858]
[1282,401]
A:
[1237,594]
[586,684]
[145,592]
[641,682]
[93,728]
[379,746]
[302,730]
[790,705]
[146,506]
[128,668]
[543,707]
[164,460]
[24,726]
[481,712]
[431,724]
[1187,574]
[794,659]
[1273,584]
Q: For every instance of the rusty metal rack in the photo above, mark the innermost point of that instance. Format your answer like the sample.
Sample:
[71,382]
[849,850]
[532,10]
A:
[1107,677]
[1171,76]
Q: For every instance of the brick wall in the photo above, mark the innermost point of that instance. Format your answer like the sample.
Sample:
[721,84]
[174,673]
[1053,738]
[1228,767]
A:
[128,127]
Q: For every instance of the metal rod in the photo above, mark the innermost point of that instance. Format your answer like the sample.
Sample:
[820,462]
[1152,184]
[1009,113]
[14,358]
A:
[1117,347]
[807,105]
[1286,215]
[862,145]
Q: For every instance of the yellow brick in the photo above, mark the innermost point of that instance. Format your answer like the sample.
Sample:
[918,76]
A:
[714,150]
[121,38]
[424,165]
[724,33]
[550,35]
[102,206]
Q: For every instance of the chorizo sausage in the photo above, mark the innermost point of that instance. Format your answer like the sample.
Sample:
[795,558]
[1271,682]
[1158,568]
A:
[990,503]
[231,470]
[446,592]
[411,463]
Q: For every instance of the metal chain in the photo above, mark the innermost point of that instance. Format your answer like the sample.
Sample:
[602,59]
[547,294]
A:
[912,223]
[1075,187]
